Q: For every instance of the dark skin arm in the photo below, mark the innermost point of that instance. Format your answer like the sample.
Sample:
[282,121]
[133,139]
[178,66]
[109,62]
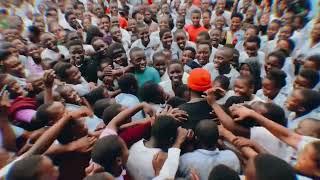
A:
[48,80]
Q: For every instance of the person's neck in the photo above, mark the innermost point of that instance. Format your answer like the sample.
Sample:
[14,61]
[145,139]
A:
[152,143]
[176,85]
[215,45]
[224,69]
[206,147]
[145,44]
[195,97]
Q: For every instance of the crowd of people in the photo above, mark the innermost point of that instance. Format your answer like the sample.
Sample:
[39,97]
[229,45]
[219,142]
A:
[159,89]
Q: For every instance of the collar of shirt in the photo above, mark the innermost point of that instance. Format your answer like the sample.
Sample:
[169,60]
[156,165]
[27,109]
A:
[208,152]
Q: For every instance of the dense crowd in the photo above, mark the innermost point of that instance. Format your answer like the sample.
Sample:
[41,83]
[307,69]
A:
[159,89]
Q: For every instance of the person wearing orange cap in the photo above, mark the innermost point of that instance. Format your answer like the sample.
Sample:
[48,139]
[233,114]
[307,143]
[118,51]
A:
[197,108]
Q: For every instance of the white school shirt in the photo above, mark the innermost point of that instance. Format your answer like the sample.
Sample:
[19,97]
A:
[130,101]
[153,45]
[294,121]
[139,163]
[232,75]
[54,56]
[279,99]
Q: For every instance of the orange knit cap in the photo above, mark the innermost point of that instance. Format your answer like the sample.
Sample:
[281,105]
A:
[199,80]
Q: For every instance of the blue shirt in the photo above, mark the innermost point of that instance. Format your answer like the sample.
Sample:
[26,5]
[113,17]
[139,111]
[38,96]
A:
[149,74]
[203,161]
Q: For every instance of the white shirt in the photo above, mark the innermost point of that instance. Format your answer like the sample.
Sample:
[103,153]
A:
[232,75]
[150,49]
[130,101]
[140,161]
[203,161]
[54,56]
[279,99]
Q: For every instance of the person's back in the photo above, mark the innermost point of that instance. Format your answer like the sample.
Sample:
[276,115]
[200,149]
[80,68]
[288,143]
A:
[204,159]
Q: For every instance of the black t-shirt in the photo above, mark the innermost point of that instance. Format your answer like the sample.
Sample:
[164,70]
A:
[89,69]
[197,111]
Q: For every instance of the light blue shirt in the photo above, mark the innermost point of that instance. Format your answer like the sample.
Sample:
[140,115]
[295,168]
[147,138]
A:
[129,101]
[203,161]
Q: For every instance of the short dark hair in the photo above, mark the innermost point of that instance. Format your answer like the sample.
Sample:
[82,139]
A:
[163,31]
[128,83]
[196,11]
[237,15]
[280,55]
[189,48]
[74,43]
[4,54]
[164,130]
[251,26]
[100,105]
[253,39]
[67,14]
[311,99]
[106,150]
[133,50]
[176,101]
[207,11]
[110,112]
[26,168]
[50,9]
[315,59]
[150,92]
[224,81]
[61,69]
[207,133]
[223,172]
[43,115]
[275,113]
[278,77]
[156,55]
[311,75]
[280,169]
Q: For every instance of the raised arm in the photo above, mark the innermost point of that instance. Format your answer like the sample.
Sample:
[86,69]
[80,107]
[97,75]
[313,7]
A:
[224,118]
[283,133]
[48,80]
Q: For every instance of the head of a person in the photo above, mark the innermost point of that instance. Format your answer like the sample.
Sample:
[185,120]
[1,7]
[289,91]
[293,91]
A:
[251,13]
[99,46]
[14,89]
[275,59]
[152,93]
[165,9]
[203,36]
[128,84]
[222,82]
[244,86]
[206,18]
[199,81]
[196,17]
[69,94]
[114,8]
[235,59]
[118,53]
[286,32]
[223,57]
[175,72]
[220,22]
[220,6]
[104,23]
[76,53]
[68,73]
[111,153]
[180,22]
[182,10]
[312,62]
[100,176]
[48,40]
[57,30]
[273,29]
[166,38]
[11,64]
[160,62]
[51,14]
[236,21]
[110,112]
[256,168]
[100,105]
[188,54]
[307,78]
[274,81]
[309,127]
[303,101]
[180,37]
[222,172]
[98,10]
[164,124]
[215,37]
[116,34]
[20,45]
[143,34]
[106,64]
[308,160]
[207,134]
[35,167]
[49,113]
[71,18]
[164,22]
[138,59]
[251,67]
[315,32]
[203,52]
[288,17]
[252,45]
[147,17]
[271,111]
[251,30]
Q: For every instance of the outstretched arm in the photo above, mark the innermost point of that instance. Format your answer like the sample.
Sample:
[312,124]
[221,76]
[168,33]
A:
[284,134]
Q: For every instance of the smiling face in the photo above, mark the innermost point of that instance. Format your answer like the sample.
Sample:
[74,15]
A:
[100,47]
[251,48]
[203,53]
[294,100]
[222,59]
[104,24]
[34,52]
[272,30]
[73,75]
[269,88]
[215,37]
[271,62]
[70,95]
[76,55]
[144,35]
[116,34]
[285,32]
[235,24]
[181,40]
[195,18]
[242,88]
[49,41]
[167,40]
[13,66]
[138,59]
[175,72]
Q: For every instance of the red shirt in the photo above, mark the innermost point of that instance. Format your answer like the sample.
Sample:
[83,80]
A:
[194,31]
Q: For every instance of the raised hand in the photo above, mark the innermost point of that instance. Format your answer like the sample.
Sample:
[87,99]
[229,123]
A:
[84,144]
[242,142]
[240,112]
[182,135]
[48,78]
[148,110]
[213,93]
[82,112]
[176,113]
